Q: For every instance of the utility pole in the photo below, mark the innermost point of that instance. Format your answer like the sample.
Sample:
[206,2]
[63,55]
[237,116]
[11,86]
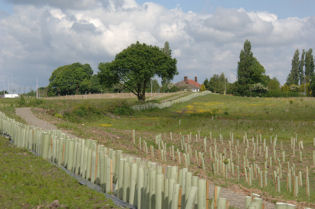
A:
[37,95]
[225,86]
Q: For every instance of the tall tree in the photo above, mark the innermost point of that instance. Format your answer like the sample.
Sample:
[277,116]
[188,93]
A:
[309,65]
[165,81]
[301,68]
[249,71]
[166,49]
[134,67]
[312,85]
[293,77]
[67,80]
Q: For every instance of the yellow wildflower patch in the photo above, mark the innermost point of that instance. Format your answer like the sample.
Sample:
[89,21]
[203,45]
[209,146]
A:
[189,107]
[106,125]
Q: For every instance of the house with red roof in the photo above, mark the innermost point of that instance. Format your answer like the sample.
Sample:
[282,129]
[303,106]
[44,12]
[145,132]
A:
[188,84]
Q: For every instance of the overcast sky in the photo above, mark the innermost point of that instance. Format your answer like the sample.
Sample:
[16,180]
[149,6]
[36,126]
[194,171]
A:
[206,36]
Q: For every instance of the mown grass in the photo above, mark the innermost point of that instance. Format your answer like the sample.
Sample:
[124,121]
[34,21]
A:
[27,181]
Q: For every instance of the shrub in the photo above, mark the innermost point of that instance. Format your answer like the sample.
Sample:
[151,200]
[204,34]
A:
[121,109]
[258,89]
[82,111]
[22,101]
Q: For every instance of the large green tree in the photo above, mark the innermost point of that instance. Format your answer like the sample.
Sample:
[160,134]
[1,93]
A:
[309,65]
[293,77]
[67,80]
[134,67]
[249,71]
[166,49]
[166,81]
[91,85]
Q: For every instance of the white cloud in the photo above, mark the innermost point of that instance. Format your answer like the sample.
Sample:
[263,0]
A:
[37,38]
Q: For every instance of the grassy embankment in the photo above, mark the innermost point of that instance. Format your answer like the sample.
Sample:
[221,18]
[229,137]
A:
[27,181]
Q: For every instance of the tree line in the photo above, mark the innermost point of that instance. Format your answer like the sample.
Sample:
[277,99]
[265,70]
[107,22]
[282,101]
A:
[134,68]
[252,80]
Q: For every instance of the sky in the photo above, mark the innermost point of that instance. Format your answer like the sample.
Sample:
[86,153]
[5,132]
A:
[206,36]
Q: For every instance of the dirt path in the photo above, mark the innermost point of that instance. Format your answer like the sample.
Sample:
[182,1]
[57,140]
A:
[26,114]
[236,198]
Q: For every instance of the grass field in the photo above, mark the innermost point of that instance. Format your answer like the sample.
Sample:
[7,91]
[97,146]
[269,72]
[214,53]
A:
[111,121]
[284,117]
[27,181]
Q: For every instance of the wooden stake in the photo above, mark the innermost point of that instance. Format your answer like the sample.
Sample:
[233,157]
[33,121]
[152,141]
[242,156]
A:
[180,198]
[111,175]
[207,195]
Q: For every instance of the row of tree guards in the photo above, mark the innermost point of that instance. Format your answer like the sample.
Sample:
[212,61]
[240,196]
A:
[169,103]
[142,183]
[256,162]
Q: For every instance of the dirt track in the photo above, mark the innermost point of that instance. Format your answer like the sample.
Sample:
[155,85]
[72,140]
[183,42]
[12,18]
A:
[236,198]
[31,119]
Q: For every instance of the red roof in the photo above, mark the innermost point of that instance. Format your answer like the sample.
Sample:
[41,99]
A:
[194,83]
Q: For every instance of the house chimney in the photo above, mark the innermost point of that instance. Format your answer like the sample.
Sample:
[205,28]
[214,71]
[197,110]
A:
[196,79]
[185,79]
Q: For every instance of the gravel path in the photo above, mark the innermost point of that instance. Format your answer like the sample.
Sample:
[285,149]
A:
[236,199]
[26,114]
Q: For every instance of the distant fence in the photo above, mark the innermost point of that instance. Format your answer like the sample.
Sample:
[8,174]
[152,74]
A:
[169,103]
[142,183]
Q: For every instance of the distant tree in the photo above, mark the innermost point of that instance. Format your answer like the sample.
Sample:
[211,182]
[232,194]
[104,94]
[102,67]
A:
[43,91]
[218,83]
[67,80]
[166,81]
[273,84]
[285,88]
[312,86]
[91,85]
[3,92]
[301,68]
[155,86]
[249,71]
[134,67]
[293,77]
[206,83]
[166,49]
[202,87]
[166,85]
[309,65]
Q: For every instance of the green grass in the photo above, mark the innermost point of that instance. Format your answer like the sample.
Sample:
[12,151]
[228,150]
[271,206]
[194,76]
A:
[87,110]
[8,106]
[27,181]
[219,114]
